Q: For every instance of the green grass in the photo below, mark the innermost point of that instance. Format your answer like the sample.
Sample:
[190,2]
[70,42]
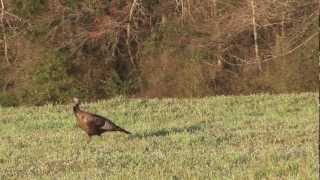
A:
[226,137]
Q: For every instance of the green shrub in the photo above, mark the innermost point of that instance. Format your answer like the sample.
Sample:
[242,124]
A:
[51,81]
[8,100]
[173,66]
[115,86]
[296,72]
[30,7]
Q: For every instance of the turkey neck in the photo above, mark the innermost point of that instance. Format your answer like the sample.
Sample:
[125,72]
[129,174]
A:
[76,108]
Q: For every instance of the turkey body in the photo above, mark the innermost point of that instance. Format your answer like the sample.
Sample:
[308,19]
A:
[94,124]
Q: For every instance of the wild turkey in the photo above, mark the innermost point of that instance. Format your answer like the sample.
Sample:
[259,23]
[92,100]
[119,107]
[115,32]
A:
[93,124]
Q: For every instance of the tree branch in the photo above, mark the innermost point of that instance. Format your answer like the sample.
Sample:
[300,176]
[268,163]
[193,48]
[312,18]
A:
[4,33]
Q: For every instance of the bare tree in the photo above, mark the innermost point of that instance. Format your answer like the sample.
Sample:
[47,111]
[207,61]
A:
[132,9]
[5,44]
[214,2]
[255,34]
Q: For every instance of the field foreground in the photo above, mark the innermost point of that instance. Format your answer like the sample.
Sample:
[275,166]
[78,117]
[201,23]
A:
[246,137]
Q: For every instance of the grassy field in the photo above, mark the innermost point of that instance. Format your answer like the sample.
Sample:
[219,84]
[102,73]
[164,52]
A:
[226,137]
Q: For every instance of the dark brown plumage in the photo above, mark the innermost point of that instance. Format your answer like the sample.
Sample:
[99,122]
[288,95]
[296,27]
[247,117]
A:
[94,124]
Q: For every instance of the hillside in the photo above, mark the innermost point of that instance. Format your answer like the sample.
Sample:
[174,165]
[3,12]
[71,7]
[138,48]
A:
[51,50]
[238,137]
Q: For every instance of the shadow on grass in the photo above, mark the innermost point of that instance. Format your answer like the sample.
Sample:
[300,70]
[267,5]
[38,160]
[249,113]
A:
[166,131]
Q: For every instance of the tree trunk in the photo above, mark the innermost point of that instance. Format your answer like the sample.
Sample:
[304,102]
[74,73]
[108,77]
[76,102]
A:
[255,34]
[5,46]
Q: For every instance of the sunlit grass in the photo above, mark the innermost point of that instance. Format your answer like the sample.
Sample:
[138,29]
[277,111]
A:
[246,137]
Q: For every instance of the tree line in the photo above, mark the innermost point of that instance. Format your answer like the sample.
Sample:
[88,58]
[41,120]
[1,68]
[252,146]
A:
[52,50]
